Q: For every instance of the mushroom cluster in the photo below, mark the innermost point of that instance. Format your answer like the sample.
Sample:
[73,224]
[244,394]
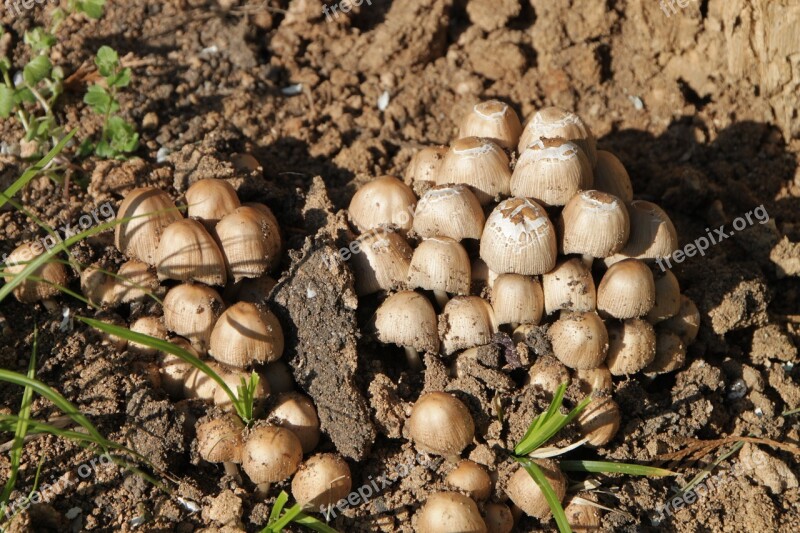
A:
[510,229]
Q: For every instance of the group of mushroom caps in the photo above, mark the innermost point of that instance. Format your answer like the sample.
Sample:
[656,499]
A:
[221,244]
[516,229]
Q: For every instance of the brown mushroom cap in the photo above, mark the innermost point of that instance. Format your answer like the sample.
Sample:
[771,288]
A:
[670,353]
[471,478]
[668,298]
[600,420]
[631,346]
[498,518]
[493,120]
[594,223]
[440,264]
[551,171]
[187,252]
[449,211]
[245,334]
[517,299]
[652,234]
[479,163]
[527,495]
[51,273]
[425,164]
[134,281]
[519,238]
[611,177]
[321,481]
[466,321]
[580,340]
[440,424]
[296,412]
[271,454]
[627,290]
[552,123]
[250,240]
[569,286]
[191,311]
[220,440]
[547,374]
[380,261]
[150,211]
[147,325]
[685,324]
[449,512]
[583,517]
[384,202]
[407,318]
[211,199]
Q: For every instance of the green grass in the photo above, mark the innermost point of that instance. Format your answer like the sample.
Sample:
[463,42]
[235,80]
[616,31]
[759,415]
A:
[294,514]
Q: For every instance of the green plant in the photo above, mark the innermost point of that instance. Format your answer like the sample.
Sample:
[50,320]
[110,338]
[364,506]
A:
[543,428]
[295,515]
[118,137]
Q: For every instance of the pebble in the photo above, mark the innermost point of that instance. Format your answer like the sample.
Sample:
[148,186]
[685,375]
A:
[292,90]
[383,101]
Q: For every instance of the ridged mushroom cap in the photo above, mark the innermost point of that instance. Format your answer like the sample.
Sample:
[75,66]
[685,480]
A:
[384,202]
[631,346]
[594,223]
[627,290]
[250,241]
[29,290]
[440,264]
[191,311]
[569,285]
[517,299]
[271,454]
[449,512]
[407,318]
[555,123]
[246,334]
[297,413]
[551,171]
[187,252]
[440,424]
[527,495]
[580,340]
[380,261]
[425,165]
[466,321]
[322,480]
[493,120]
[479,163]
[211,199]
[449,211]
[150,211]
[611,177]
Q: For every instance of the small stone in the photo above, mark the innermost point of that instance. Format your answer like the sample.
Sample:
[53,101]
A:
[150,121]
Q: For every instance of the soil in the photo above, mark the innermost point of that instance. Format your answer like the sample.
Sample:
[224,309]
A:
[700,105]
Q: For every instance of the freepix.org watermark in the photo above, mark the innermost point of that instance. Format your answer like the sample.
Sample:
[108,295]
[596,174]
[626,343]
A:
[673,5]
[701,244]
[16,7]
[345,6]
[65,232]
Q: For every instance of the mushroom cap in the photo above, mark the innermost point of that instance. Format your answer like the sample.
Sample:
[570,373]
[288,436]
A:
[552,123]
[187,252]
[449,512]
[147,325]
[627,290]
[425,164]
[271,454]
[440,424]
[479,163]
[594,223]
[150,211]
[30,291]
[250,241]
[580,339]
[685,324]
[466,321]
[245,334]
[191,311]
[652,234]
[631,346]
[517,299]
[440,264]
[600,420]
[498,518]
[591,380]
[551,171]
[668,298]
[219,440]
[569,285]
[174,370]
[98,286]
[322,480]
[380,261]
[670,353]
[471,478]
[384,202]
[135,280]
[211,199]
[519,238]
[296,412]
[449,211]
[611,177]
[493,120]
[527,495]
[583,517]
[547,374]
[407,318]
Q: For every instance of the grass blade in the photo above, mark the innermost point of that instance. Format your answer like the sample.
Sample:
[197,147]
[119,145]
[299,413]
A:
[705,472]
[608,467]
[280,503]
[290,515]
[548,429]
[313,523]
[549,494]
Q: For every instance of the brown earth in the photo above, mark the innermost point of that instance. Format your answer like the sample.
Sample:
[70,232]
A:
[701,106]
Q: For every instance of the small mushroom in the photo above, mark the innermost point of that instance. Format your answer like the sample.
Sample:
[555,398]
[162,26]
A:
[479,163]
[380,261]
[250,240]
[611,177]
[582,515]
[49,276]
[526,494]
[408,319]
[471,478]
[424,166]
[385,202]
[652,234]
[271,454]
[668,298]
[551,171]
[449,211]
[670,353]
[211,199]
[555,123]
[600,420]
[498,518]
[246,334]
[569,286]
[98,286]
[441,265]
[440,424]
[296,412]
[466,321]
[135,280]
[191,311]
[627,290]
[147,325]
[591,380]
[580,340]
[547,374]
[517,299]
[449,512]
[631,346]
[492,120]
[187,252]
[321,481]
[685,324]
[174,370]
[144,214]
[594,224]
[519,239]
[219,440]
[233,379]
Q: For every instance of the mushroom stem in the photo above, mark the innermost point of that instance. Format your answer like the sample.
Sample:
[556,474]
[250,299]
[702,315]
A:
[262,490]
[233,471]
[587,260]
[441,298]
[51,305]
[412,356]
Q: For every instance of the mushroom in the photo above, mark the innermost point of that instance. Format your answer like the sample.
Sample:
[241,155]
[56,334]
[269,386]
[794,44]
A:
[551,171]
[271,454]
[547,374]
[441,265]
[191,311]
[466,321]
[482,276]
[380,260]
[631,346]
[591,380]
[219,440]
[250,240]
[498,518]
[98,286]
[449,512]
[296,412]
[600,420]
[611,177]
[580,339]
[135,281]
[147,325]
[652,235]
[517,299]
[48,277]
[440,424]
[685,324]
[425,164]
[408,319]
[449,211]
[174,370]
[526,494]
[519,238]
[144,214]
[233,379]
[471,478]
[385,202]
[670,353]
[569,286]
[552,123]
[321,481]
[594,224]
[479,163]
[187,252]
[627,290]
[583,515]
[251,290]
[246,334]
[493,120]
[211,199]
[668,298]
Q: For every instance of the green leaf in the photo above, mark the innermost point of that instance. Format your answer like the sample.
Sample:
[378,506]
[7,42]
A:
[7,101]
[23,95]
[107,61]
[549,494]
[313,523]
[92,8]
[56,18]
[610,467]
[277,508]
[39,40]
[120,79]
[5,64]
[123,136]
[545,426]
[98,99]
[86,148]
[37,70]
